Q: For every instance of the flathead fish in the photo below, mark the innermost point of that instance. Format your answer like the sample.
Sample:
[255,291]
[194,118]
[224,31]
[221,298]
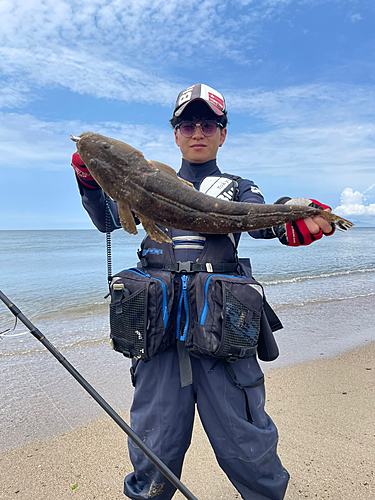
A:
[158,197]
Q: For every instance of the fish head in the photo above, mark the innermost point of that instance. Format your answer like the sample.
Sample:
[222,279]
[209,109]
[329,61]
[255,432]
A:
[104,156]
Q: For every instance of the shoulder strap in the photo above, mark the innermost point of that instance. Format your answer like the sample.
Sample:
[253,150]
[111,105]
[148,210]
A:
[231,176]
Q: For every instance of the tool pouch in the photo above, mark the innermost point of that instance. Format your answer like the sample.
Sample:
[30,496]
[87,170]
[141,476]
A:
[141,313]
[225,316]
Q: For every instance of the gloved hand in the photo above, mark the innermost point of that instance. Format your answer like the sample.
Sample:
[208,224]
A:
[297,233]
[83,175]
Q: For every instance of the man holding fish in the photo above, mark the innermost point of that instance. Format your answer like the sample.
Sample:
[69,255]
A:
[183,371]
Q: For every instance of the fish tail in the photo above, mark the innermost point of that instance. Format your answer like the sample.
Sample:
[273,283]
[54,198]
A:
[340,223]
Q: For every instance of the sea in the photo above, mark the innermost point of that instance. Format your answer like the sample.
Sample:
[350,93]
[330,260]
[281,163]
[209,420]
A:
[323,293]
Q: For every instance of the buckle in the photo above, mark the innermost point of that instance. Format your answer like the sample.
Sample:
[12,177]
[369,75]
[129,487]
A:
[185,267]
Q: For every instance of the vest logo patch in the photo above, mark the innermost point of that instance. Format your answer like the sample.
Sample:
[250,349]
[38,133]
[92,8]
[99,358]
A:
[256,190]
[152,251]
[219,187]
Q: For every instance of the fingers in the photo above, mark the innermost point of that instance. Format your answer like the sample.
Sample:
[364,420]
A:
[316,223]
[323,224]
[312,226]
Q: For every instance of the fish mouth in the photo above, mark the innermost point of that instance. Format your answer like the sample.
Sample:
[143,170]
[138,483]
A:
[74,138]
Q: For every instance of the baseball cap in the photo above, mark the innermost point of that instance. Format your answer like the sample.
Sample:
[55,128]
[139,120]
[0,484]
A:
[200,92]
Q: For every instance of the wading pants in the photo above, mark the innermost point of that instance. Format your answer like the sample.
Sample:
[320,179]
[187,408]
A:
[162,415]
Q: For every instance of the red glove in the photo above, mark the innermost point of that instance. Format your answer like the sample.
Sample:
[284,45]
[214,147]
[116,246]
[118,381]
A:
[83,175]
[296,233]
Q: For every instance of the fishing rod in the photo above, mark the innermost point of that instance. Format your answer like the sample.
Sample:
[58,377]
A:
[106,407]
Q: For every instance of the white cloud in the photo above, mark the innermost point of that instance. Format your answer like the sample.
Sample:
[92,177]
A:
[126,50]
[138,30]
[353,204]
[85,74]
[306,104]
[354,17]
[27,142]
[322,151]
[119,50]
[114,50]
[13,95]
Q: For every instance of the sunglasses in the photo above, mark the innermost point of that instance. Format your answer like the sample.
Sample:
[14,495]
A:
[208,128]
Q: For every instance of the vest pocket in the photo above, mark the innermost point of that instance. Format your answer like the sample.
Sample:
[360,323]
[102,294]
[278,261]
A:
[140,313]
[226,316]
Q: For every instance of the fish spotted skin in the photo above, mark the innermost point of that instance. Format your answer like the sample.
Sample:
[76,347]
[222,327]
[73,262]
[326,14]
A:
[154,193]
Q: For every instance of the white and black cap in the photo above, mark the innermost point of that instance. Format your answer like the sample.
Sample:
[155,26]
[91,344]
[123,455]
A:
[200,92]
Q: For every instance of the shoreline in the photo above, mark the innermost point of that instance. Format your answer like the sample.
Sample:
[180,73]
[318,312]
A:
[323,410]
[40,399]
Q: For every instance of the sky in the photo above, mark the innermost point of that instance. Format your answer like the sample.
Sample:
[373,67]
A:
[298,77]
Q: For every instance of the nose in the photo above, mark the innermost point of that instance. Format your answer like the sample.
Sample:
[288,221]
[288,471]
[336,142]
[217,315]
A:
[198,134]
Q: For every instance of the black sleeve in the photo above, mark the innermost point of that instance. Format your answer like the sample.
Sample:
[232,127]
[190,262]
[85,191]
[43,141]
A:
[94,202]
[250,193]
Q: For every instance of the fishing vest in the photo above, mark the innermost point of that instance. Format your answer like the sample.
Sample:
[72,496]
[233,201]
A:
[212,304]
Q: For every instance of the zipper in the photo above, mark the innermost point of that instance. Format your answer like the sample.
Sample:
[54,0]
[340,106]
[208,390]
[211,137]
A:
[183,304]
[138,271]
[165,309]
[205,307]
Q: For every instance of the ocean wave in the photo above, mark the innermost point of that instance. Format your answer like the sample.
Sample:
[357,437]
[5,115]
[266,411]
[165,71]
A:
[10,351]
[319,300]
[40,312]
[299,279]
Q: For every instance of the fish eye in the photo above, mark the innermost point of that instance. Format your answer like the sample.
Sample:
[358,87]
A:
[106,145]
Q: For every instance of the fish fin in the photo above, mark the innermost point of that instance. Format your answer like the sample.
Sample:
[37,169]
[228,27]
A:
[340,223]
[162,166]
[153,231]
[169,170]
[186,182]
[127,219]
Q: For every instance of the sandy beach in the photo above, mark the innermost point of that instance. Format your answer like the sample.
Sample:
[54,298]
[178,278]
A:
[324,411]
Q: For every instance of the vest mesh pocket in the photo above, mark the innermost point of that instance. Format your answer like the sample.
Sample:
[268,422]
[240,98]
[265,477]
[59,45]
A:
[141,313]
[226,312]
[129,324]
[241,326]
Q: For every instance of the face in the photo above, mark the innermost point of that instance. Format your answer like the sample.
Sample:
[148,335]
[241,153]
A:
[198,148]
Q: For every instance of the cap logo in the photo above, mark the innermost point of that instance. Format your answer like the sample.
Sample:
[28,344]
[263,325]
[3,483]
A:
[185,96]
[216,100]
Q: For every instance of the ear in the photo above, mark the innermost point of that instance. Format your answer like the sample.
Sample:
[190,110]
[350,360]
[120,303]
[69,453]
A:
[222,137]
[176,138]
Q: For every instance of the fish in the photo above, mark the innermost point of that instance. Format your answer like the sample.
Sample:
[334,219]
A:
[154,193]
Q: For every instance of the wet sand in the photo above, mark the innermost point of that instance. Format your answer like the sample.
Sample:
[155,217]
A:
[40,399]
[324,411]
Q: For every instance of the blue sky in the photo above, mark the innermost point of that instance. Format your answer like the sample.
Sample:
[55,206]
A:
[298,77]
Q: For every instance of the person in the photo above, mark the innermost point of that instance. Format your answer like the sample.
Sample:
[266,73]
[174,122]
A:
[229,397]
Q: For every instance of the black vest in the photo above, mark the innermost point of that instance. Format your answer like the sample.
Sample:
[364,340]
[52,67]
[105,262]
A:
[212,303]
